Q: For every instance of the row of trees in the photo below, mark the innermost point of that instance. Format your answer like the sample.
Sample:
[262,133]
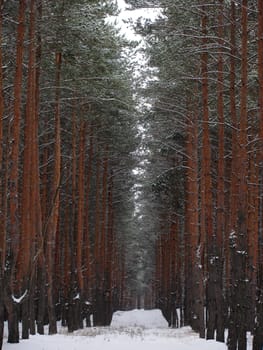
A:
[67,133]
[206,150]
[76,233]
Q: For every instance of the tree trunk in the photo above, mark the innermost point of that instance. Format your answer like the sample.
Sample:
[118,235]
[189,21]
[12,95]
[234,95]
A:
[41,283]
[2,175]
[109,252]
[36,193]
[81,196]
[97,263]
[206,182]
[220,212]
[194,245]
[103,219]
[87,245]
[253,227]
[231,228]
[28,221]
[13,333]
[239,289]
[256,246]
[53,220]
[2,189]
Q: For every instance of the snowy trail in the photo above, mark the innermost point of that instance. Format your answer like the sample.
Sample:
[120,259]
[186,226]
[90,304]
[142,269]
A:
[133,338]
[131,330]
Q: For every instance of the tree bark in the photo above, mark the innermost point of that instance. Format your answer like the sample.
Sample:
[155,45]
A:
[81,196]
[206,180]
[53,220]
[2,187]
[13,334]
[2,175]
[256,246]
[220,211]
[195,244]
[88,261]
[239,289]
[109,251]
[28,210]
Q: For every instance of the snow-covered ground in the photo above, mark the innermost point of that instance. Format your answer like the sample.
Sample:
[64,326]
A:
[130,330]
[139,318]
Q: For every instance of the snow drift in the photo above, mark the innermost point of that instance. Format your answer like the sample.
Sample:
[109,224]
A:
[139,318]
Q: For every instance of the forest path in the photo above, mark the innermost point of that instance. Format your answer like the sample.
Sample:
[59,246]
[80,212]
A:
[126,338]
[124,334]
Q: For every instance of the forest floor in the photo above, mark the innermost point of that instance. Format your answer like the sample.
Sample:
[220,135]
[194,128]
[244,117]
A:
[136,329]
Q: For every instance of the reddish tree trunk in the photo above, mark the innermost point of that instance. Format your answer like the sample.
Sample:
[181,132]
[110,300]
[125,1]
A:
[194,285]
[253,226]
[81,196]
[220,211]
[28,200]
[87,250]
[97,282]
[103,218]
[238,324]
[231,228]
[36,197]
[109,253]
[110,238]
[2,212]
[2,189]
[53,219]
[206,179]
[97,223]
[13,335]
[255,245]
[15,131]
